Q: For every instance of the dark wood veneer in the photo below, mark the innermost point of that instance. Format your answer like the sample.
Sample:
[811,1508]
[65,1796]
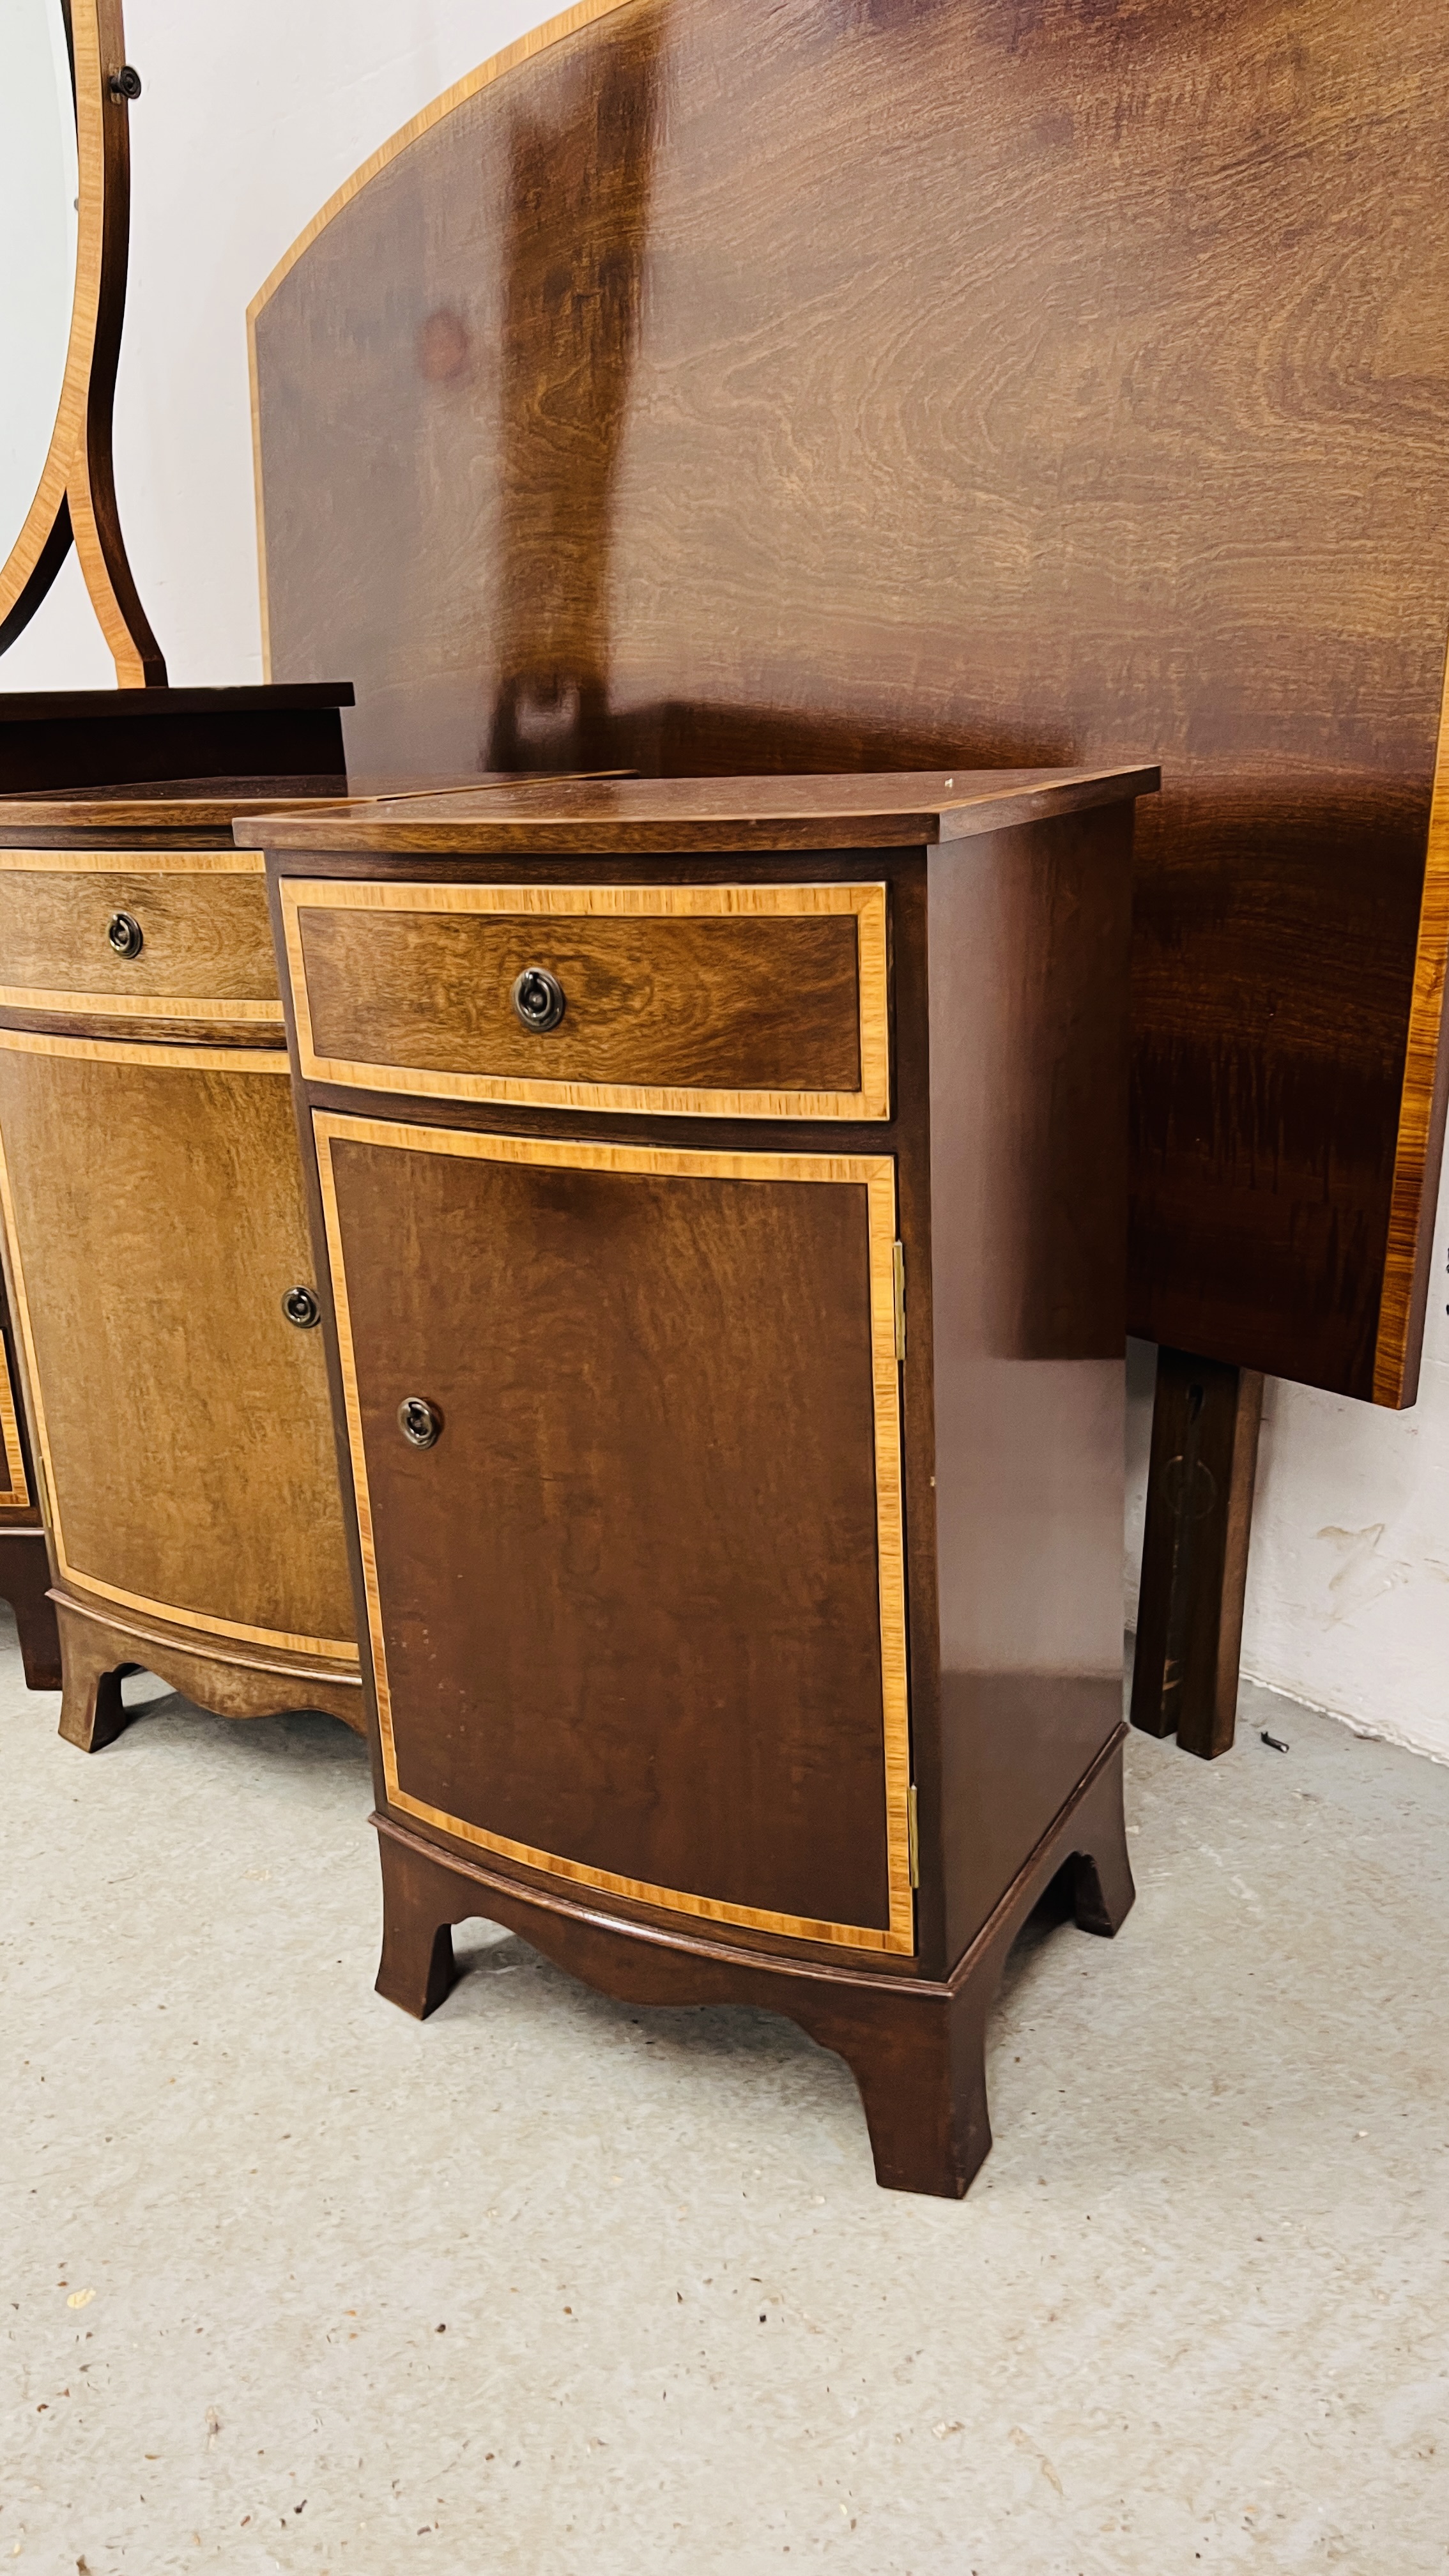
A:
[628,1366]
[106,737]
[890,385]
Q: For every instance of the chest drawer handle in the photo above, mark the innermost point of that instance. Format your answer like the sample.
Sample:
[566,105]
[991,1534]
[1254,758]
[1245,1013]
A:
[538,998]
[420,1422]
[301,1308]
[125,934]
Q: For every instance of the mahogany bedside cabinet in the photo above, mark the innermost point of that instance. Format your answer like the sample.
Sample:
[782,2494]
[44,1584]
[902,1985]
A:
[158,1264]
[720,1189]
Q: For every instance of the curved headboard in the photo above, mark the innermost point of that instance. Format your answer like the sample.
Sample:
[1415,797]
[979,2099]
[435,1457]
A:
[703,386]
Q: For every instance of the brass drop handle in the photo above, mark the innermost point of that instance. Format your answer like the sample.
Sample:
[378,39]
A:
[419,1422]
[125,934]
[538,998]
[301,1308]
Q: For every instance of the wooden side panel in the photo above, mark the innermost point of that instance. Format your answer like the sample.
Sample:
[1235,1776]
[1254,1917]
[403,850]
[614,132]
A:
[153,1212]
[1028,960]
[871,383]
[638,1614]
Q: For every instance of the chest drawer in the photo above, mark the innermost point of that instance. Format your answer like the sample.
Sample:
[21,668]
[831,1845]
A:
[727,1001]
[143,935]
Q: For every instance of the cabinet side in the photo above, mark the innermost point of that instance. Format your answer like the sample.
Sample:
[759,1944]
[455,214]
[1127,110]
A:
[1028,955]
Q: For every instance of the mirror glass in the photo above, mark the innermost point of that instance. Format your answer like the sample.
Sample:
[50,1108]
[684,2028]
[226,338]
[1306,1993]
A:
[39,182]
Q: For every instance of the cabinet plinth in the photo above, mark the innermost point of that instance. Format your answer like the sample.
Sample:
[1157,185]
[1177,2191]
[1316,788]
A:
[729,1384]
[154,1224]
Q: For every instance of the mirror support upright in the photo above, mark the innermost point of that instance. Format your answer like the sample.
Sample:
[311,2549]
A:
[76,499]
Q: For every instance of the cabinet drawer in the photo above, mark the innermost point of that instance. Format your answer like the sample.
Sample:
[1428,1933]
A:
[205,943]
[725,1001]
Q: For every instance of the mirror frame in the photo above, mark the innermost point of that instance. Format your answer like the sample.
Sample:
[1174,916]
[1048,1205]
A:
[75,501]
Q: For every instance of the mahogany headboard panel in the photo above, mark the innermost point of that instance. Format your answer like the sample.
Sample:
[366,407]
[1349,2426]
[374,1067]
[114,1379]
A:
[707,385]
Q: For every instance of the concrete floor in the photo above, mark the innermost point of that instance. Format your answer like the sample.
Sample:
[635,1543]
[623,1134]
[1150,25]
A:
[548,2285]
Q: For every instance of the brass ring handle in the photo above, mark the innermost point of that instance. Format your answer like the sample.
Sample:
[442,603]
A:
[301,1308]
[538,998]
[419,1422]
[125,934]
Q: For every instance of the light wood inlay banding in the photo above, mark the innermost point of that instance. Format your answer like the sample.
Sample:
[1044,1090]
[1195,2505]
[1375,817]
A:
[17,1495]
[1421,1108]
[877,1174]
[227,863]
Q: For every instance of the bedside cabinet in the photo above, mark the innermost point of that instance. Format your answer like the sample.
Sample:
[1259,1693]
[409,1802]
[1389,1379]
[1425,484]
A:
[159,1268]
[719,1191]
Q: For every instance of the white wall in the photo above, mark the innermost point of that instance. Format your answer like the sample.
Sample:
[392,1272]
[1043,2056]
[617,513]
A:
[249,120]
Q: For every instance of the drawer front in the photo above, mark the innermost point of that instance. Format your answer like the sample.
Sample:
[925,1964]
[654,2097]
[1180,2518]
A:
[626,1450]
[723,1001]
[205,943]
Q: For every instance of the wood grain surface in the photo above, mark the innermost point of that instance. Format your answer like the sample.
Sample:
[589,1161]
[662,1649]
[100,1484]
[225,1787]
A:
[919,382]
[736,1001]
[637,1620]
[884,810]
[153,1223]
[1028,1088]
[207,948]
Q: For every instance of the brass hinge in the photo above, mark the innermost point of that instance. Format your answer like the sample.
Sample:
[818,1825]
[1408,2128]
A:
[898,1279]
[913,1835]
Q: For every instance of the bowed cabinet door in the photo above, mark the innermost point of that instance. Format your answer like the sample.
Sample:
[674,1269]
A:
[636,1610]
[152,1200]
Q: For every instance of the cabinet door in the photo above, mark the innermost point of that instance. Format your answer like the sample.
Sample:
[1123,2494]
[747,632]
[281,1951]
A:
[152,1200]
[637,1614]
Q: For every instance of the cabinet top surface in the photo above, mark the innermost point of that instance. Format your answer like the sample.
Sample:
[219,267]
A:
[165,805]
[889,810]
[184,805]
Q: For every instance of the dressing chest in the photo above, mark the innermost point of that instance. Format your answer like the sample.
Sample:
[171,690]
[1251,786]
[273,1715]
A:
[158,1264]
